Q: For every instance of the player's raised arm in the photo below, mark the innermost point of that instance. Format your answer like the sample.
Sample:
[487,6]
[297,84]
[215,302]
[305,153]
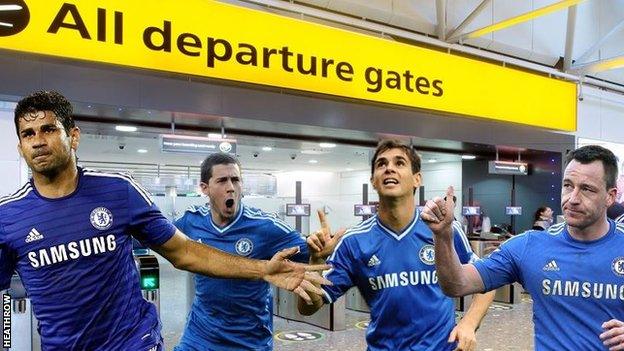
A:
[455,279]
[195,257]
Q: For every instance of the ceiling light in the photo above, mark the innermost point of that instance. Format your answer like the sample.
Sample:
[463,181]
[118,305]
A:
[216,136]
[142,151]
[267,148]
[122,128]
[314,152]
[313,161]
[327,145]
[432,160]
[468,157]
[349,169]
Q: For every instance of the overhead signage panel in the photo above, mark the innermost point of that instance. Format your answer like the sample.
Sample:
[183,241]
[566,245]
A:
[505,167]
[185,144]
[212,39]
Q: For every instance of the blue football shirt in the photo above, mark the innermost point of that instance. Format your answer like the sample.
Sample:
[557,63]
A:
[74,256]
[575,285]
[235,314]
[395,273]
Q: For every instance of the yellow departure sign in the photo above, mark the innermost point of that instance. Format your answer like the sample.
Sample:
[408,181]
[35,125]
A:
[211,39]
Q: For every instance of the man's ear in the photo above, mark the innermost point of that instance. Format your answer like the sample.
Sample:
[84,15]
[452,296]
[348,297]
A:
[74,134]
[417,179]
[611,195]
[204,188]
[372,183]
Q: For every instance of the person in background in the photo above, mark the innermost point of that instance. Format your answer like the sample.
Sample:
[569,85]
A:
[543,218]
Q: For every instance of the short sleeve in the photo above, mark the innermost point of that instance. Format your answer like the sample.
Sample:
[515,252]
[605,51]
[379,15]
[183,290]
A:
[462,245]
[503,265]
[341,273]
[181,223]
[147,223]
[285,237]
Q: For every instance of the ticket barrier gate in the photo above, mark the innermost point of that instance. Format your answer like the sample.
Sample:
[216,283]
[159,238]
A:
[23,330]
[509,293]
[330,317]
[355,301]
[149,274]
[462,303]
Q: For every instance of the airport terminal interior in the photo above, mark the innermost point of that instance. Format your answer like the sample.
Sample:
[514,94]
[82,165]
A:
[333,177]
[491,94]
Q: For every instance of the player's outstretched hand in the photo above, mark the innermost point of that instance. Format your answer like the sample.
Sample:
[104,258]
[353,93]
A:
[465,337]
[322,243]
[296,277]
[613,335]
[438,213]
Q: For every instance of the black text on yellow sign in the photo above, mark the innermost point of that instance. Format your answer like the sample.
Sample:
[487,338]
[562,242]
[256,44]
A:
[221,50]
[222,41]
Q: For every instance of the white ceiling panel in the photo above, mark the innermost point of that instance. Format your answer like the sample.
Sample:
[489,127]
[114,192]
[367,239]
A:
[541,39]
[377,10]
[417,15]
[458,11]
[521,34]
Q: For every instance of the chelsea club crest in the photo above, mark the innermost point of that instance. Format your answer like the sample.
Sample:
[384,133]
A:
[427,254]
[101,218]
[617,266]
[243,247]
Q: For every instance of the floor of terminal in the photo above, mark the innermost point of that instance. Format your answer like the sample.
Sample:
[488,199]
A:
[506,327]
[502,330]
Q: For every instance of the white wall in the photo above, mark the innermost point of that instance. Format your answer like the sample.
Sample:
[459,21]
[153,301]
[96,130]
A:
[325,189]
[340,191]
[12,171]
[601,116]
[601,121]
[438,176]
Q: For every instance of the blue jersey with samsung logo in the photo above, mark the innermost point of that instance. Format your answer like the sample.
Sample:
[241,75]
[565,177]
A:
[235,314]
[395,273]
[74,256]
[575,285]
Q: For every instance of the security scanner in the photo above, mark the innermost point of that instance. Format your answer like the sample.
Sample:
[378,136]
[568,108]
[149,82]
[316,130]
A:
[22,331]
[149,275]
[364,210]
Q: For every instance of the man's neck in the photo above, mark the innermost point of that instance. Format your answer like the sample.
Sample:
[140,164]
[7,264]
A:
[219,220]
[396,213]
[592,232]
[57,185]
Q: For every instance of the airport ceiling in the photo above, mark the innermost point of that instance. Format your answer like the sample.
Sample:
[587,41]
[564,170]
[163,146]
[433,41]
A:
[103,147]
[579,37]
